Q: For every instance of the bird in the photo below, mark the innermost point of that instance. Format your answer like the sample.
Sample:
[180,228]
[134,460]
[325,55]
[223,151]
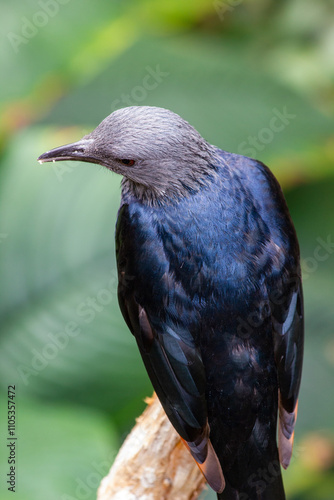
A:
[209,284]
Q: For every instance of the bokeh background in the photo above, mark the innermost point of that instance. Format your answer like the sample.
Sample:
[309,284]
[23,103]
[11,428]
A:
[254,77]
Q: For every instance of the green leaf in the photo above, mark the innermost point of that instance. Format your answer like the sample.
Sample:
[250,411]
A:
[61,452]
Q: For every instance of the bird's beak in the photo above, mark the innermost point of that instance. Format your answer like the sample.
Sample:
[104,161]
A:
[77,151]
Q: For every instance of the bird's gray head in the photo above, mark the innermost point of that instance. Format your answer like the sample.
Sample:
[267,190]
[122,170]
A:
[159,154]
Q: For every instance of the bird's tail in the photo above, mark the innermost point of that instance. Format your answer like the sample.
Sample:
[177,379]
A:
[257,488]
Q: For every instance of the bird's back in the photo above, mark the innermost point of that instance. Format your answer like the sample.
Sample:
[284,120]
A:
[201,269]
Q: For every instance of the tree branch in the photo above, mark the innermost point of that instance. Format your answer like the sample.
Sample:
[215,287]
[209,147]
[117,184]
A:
[153,463]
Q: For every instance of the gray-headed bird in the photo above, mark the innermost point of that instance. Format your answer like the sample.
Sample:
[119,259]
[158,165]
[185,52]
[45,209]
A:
[210,287]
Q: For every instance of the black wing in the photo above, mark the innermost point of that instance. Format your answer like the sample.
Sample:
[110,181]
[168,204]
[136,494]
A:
[288,322]
[149,296]
[285,294]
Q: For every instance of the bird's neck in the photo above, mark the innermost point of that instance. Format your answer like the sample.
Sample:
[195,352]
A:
[187,182]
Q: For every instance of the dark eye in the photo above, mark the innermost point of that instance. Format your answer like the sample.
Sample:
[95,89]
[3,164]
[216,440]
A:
[129,163]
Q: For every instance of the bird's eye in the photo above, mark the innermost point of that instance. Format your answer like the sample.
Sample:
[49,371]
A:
[129,163]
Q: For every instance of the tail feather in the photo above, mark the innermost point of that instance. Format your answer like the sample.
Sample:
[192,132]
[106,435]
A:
[286,434]
[212,471]
[256,489]
[210,466]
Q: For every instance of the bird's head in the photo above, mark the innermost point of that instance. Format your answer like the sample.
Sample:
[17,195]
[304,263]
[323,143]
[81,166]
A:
[158,153]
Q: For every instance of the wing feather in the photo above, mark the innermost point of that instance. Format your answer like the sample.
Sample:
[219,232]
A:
[289,342]
[176,370]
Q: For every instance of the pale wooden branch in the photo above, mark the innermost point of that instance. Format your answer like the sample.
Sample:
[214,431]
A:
[153,463]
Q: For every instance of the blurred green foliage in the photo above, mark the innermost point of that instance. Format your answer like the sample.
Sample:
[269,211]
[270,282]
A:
[229,67]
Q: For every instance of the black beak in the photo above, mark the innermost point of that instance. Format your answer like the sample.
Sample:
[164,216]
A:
[77,151]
